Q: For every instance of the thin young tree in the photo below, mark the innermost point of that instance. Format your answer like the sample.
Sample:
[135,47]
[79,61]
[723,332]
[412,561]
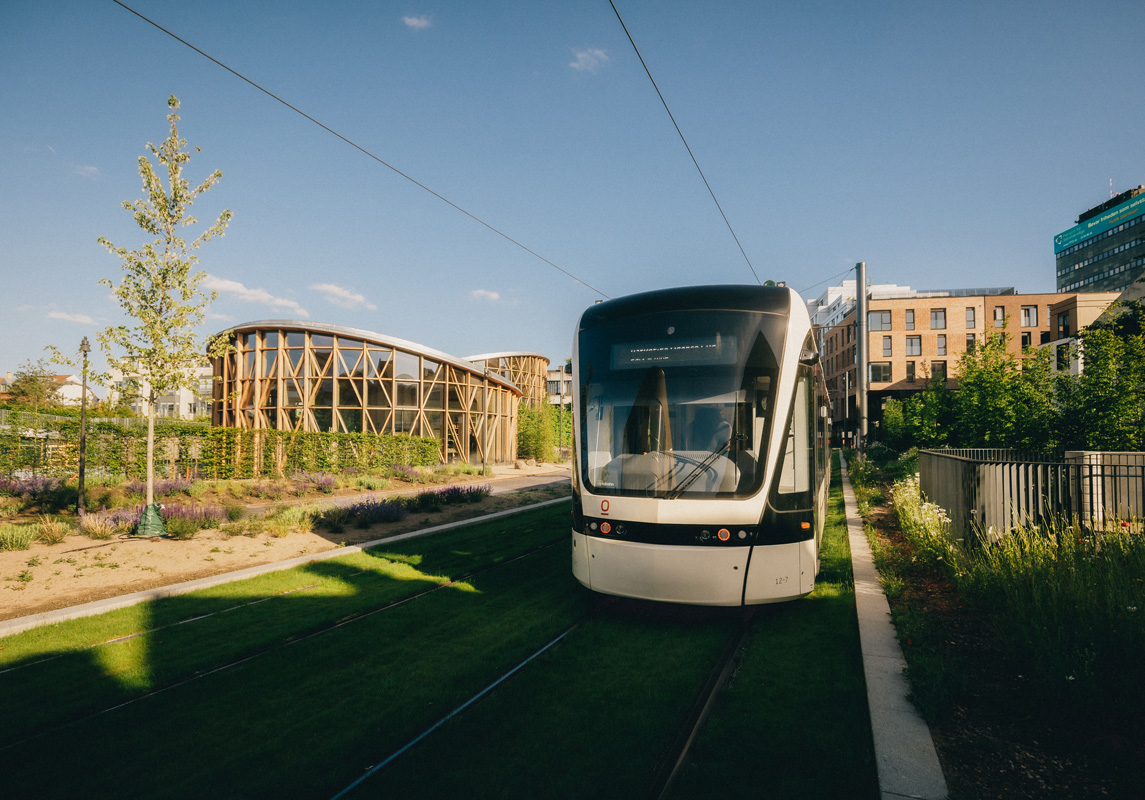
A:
[160,288]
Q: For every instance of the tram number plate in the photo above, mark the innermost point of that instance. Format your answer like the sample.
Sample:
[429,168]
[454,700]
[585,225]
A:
[780,581]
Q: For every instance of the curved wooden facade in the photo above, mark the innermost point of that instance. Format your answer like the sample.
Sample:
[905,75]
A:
[528,371]
[290,375]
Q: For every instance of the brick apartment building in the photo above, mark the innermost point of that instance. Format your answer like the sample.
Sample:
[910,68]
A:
[911,338]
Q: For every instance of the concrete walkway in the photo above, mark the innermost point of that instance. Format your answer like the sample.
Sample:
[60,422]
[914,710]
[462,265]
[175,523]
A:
[904,750]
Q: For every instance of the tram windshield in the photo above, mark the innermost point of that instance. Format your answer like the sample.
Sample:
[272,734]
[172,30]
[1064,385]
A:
[679,403]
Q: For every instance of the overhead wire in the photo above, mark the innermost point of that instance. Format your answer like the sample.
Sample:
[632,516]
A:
[363,150]
[827,280]
[664,102]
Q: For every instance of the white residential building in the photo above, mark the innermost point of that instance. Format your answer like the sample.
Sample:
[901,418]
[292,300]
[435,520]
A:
[183,404]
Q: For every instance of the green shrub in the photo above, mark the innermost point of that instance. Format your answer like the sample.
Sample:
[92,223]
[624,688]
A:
[335,518]
[52,531]
[371,483]
[283,521]
[16,537]
[97,526]
[181,528]
[535,433]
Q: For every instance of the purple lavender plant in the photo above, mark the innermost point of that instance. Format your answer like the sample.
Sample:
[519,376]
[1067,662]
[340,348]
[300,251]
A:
[367,512]
[319,481]
[202,516]
[164,487]
[402,472]
[36,486]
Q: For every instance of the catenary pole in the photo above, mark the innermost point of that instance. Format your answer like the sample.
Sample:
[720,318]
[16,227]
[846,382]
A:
[861,377]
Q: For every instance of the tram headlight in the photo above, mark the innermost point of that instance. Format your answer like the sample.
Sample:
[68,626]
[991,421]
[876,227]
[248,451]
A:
[723,534]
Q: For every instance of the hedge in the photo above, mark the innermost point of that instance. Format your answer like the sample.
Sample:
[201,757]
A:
[33,444]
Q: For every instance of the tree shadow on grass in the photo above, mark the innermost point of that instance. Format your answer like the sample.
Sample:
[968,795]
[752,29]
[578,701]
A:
[230,683]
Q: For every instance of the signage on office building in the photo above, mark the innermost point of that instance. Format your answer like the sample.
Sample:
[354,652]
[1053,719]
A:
[1100,224]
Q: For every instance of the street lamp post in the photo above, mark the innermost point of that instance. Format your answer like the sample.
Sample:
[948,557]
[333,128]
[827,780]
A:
[85,348]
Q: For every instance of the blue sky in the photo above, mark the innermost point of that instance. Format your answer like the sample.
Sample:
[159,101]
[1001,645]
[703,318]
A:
[944,144]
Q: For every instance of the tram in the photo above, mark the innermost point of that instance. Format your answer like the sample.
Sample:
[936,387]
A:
[701,429]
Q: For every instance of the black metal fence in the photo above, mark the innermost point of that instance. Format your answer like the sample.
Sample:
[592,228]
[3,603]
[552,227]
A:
[994,491]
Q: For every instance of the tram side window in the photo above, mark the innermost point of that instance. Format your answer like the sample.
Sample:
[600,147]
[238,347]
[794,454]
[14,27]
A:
[799,450]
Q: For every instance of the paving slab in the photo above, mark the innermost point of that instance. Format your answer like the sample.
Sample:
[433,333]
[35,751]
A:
[907,761]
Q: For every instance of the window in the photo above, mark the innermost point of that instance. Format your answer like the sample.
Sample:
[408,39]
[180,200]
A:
[941,351]
[1029,316]
[999,317]
[938,369]
[1027,340]
[886,347]
[970,319]
[910,372]
[970,342]
[914,345]
[880,372]
[938,319]
[1063,325]
[879,320]
[910,319]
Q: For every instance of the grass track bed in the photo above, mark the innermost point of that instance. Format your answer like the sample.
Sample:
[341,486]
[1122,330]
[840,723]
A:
[248,616]
[592,717]
[303,718]
[589,718]
[794,722]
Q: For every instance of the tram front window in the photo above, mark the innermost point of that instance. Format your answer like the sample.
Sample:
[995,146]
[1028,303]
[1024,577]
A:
[677,404]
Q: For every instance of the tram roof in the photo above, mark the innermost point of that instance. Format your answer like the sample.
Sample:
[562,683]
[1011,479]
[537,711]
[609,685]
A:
[768,299]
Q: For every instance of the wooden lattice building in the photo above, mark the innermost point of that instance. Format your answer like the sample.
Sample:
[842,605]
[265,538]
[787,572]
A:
[290,375]
[528,371]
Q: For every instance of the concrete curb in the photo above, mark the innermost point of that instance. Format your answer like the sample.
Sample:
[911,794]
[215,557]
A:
[904,749]
[19,624]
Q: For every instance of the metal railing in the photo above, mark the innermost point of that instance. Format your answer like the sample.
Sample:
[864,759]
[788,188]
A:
[992,492]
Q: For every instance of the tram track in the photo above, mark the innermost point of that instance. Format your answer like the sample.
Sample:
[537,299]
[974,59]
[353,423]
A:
[676,755]
[651,776]
[312,634]
[604,697]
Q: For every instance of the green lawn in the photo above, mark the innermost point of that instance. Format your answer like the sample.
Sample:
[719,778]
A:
[304,715]
[794,723]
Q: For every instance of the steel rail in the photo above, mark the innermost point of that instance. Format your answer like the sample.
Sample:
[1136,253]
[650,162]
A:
[676,754]
[341,623]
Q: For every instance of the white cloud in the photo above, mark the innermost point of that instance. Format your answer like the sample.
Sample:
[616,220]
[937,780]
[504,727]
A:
[344,298]
[86,171]
[589,60]
[417,23]
[483,294]
[81,318]
[241,292]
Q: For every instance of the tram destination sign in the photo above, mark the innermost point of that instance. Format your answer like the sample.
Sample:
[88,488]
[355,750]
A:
[692,352]
[1100,224]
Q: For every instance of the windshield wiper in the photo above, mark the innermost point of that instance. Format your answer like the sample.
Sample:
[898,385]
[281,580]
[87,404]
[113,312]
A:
[691,477]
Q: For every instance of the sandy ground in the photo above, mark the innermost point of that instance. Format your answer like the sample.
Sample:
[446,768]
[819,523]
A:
[81,569]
